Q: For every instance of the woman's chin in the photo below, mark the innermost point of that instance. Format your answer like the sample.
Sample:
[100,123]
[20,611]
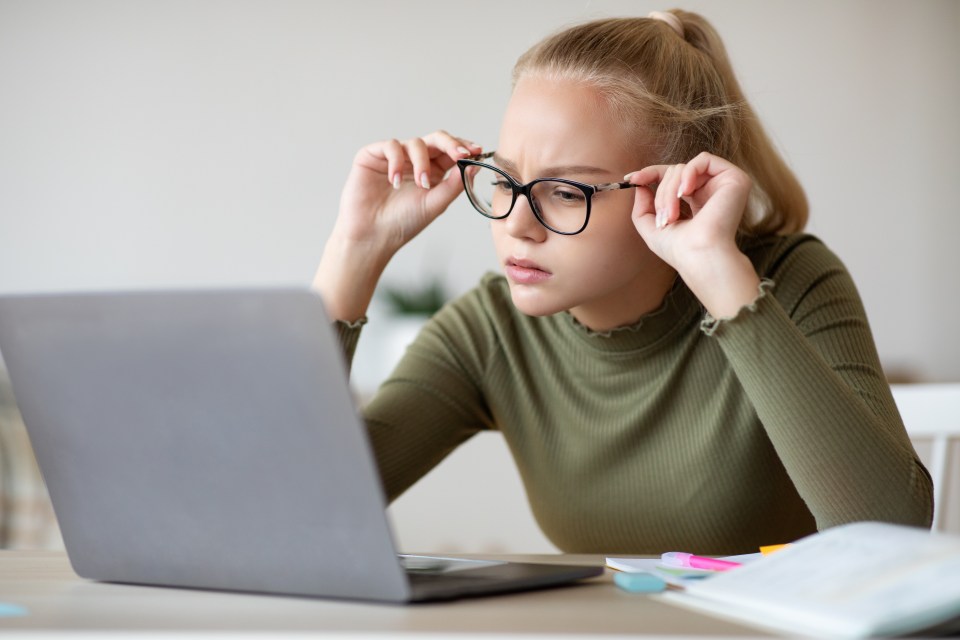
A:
[534,303]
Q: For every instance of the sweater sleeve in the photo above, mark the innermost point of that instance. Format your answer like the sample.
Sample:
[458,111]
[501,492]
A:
[432,402]
[347,334]
[806,358]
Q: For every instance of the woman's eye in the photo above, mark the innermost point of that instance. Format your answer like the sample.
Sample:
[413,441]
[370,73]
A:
[568,196]
[502,185]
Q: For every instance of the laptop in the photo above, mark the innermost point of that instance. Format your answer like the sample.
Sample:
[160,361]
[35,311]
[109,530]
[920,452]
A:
[209,439]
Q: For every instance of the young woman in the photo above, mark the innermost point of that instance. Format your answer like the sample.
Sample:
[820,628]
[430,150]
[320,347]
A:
[672,363]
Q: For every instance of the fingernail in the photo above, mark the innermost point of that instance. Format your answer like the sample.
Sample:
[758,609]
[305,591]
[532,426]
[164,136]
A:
[396,181]
[627,177]
[680,193]
[424,180]
[463,151]
[659,219]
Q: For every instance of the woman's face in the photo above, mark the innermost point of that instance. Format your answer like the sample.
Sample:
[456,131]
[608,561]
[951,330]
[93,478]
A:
[605,276]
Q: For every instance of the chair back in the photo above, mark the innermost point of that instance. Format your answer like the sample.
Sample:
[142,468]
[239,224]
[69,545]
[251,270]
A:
[931,414]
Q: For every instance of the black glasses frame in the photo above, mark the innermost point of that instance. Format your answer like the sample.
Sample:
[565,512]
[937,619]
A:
[526,189]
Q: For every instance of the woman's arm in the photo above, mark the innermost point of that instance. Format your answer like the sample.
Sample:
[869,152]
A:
[433,401]
[394,190]
[804,355]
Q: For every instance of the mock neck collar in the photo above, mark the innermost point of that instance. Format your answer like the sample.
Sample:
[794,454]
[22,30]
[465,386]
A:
[678,309]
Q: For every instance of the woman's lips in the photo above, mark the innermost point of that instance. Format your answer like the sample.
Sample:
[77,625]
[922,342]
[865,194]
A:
[525,271]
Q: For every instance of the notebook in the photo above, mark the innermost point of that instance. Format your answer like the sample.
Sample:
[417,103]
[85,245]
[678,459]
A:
[856,580]
[209,439]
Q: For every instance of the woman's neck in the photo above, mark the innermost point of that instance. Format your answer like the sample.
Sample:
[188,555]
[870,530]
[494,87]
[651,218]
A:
[631,303]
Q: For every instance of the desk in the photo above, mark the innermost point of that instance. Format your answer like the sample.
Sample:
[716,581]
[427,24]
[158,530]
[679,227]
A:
[58,601]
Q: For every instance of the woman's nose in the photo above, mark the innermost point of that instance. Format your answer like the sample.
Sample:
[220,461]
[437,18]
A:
[523,223]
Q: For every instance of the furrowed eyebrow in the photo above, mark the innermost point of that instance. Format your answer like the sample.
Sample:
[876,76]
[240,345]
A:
[503,163]
[552,172]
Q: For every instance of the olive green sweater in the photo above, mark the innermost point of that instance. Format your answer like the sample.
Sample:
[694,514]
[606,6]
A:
[678,432]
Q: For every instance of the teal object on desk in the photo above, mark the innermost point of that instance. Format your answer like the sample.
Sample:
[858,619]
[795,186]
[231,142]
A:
[639,582]
[10,610]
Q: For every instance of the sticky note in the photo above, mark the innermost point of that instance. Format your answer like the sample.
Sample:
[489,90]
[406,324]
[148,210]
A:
[772,548]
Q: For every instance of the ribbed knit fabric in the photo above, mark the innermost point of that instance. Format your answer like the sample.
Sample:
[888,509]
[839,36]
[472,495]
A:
[678,432]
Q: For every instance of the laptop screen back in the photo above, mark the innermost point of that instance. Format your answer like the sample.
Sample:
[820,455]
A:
[201,439]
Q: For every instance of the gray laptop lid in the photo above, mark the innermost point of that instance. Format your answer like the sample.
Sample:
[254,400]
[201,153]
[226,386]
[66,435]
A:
[201,439]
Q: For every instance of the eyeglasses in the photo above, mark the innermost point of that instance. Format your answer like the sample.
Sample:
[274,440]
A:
[562,206]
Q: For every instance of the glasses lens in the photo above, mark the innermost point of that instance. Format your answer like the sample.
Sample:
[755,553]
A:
[561,206]
[489,190]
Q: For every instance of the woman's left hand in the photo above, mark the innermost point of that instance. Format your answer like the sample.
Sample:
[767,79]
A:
[701,246]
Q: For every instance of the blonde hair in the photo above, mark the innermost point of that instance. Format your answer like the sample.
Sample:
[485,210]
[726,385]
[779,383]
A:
[678,93]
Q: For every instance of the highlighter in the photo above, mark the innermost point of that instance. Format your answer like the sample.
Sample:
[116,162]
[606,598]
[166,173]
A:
[690,561]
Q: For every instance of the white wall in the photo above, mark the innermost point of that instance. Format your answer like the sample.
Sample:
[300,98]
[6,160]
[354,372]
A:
[197,143]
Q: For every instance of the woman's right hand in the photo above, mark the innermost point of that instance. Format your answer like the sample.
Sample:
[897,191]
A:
[394,190]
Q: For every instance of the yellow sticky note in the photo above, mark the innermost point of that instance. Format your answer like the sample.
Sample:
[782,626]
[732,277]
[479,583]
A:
[772,548]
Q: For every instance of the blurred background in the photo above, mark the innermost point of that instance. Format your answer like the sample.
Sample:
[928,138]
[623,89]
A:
[203,143]
[148,143]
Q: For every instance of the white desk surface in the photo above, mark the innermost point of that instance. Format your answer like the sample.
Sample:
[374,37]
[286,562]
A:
[60,603]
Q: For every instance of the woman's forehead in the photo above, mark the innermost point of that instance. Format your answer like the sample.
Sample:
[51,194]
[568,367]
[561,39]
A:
[552,123]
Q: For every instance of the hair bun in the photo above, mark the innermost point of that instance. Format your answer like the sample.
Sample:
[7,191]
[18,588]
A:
[670,19]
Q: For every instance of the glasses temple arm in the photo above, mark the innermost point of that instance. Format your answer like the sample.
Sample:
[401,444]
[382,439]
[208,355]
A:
[612,186]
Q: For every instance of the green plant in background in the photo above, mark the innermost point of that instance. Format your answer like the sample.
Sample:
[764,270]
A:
[424,300]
